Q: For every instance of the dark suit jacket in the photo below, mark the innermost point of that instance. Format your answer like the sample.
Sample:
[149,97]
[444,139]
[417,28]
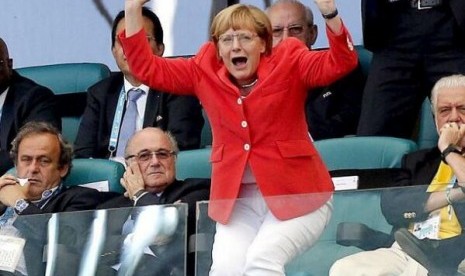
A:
[422,166]
[71,229]
[334,111]
[189,191]
[181,115]
[26,101]
[376,20]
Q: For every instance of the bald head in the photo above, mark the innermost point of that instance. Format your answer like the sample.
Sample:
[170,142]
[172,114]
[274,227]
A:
[6,66]
[3,49]
[154,151]
[291,18]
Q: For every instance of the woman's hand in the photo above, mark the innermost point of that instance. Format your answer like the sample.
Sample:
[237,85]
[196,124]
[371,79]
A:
[326,6]
[133,16]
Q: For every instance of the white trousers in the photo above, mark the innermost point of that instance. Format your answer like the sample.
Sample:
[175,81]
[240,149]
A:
[390,261]
[256,243]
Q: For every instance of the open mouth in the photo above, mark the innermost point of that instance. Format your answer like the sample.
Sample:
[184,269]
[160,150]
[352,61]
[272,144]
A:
[239,61]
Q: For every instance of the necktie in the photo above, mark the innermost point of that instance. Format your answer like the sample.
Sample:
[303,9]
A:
[128,126]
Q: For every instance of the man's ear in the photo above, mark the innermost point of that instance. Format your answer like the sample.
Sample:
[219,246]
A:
[64,170]
[10,63]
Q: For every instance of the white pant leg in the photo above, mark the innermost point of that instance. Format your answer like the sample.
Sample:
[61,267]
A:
[278,242]
[233,239]
[380,262]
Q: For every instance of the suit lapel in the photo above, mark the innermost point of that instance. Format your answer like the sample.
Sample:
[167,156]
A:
[6,123]
[152,109]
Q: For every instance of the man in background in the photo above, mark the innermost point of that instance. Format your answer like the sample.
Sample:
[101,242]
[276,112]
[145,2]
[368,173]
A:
[150,179]
[331,111]
[21,101]
[121,101]
[42,160]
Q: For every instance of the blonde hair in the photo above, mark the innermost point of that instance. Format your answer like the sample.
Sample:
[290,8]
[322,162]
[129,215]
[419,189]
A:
[453,81]
[240,16]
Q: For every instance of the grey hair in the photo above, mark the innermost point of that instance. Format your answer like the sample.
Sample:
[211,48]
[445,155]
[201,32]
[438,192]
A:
[307,11]
[453,81]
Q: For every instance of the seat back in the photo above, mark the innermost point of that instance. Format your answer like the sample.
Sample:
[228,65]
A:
[364,152]
[364,57]
[206,136]
[69,82]
[427,134]
[91,171]
[194,164]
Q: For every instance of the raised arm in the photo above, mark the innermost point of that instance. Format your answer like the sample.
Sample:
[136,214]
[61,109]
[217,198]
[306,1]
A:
[134,20]
[329,12]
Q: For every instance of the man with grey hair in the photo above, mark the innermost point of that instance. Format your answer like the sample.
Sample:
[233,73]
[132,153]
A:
[150,179]
[42,159]
[331,111]
[428,219]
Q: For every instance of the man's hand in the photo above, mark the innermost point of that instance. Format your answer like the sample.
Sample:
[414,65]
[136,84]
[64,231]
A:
[132,180]
[451,134]
[10,190]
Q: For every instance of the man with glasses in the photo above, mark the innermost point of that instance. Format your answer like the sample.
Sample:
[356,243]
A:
[331,111]
[21,101]
[150,178]
[103,131]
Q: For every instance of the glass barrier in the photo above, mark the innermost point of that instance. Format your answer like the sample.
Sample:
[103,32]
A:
[366,220]
[148,240]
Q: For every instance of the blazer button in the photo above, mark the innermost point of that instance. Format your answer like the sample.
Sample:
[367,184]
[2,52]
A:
[246,147]
[244,124]
[239,101]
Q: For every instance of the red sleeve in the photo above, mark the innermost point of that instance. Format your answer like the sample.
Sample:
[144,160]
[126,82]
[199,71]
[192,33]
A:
[321,68]
[176,75]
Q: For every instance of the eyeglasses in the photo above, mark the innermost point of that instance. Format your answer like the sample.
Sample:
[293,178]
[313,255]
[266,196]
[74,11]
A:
[146,155]
[291,29]
[243,38]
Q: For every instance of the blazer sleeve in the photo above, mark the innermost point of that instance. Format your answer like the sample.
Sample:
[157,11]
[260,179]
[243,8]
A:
[321,68]
[175,75]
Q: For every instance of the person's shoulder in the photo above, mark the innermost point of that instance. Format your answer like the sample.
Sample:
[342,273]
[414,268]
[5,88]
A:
[23,86]
[429,154]
[198,182]
[108,85]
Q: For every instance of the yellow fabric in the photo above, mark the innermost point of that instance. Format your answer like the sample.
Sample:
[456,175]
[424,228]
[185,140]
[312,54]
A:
[448,227]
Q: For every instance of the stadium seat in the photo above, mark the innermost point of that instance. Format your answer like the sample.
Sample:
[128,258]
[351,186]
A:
[427,134]
[364,152]
[194,164]
[91,171]
[69,82]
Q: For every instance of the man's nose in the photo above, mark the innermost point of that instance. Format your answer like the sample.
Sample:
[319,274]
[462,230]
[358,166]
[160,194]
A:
[285,33]
[154,159]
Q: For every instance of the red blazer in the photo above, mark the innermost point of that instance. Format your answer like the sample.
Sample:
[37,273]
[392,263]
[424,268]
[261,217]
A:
[267,129]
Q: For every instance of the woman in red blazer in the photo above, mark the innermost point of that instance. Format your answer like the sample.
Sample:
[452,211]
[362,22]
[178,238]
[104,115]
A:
[262,153]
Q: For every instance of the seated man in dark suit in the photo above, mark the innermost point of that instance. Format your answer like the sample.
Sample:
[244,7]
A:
[21,101]
[102,132]
[438,208]
[150,178]
[331,111]
[42,159]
